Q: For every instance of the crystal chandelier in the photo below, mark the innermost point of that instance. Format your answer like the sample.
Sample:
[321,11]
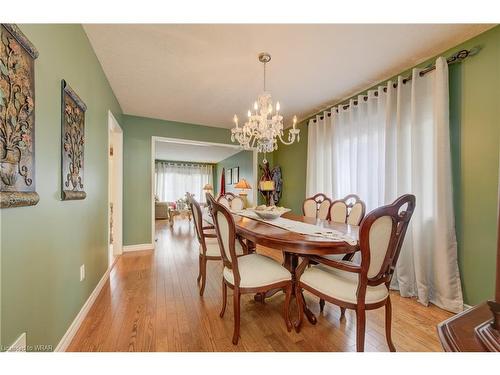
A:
[265,124]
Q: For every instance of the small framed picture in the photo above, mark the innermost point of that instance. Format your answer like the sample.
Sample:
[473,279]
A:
[236,175]
[229,174]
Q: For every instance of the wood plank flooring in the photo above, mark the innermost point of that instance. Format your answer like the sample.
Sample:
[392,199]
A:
[151,303]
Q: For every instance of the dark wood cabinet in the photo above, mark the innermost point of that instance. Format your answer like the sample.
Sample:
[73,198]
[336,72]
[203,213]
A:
[476,329]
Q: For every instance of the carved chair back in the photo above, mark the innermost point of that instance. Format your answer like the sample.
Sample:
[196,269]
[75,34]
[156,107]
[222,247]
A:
[195,208]
[317,206]
[382,233]
[226,236]
[237,204]
[231,201]
[350,210]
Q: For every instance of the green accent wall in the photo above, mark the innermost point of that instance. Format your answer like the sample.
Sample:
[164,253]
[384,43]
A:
[475,137]
[293,162]
[137,135]
[244,160]
[43,246]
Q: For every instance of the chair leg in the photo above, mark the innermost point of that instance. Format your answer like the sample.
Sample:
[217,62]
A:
[236,308]
[300,308]
[203,269]
[388,317]
[342,313]
[321,304]
[360,329]
[224,298]
[286,312]
[199,269]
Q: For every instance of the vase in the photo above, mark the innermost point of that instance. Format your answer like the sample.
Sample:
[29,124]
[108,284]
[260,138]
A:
[9,166]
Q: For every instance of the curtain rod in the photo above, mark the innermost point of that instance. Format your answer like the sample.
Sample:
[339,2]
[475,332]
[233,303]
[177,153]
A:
[455,58]
[182,162]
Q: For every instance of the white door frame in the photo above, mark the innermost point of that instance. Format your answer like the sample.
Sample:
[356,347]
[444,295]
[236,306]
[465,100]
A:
[115,184]
[154,139]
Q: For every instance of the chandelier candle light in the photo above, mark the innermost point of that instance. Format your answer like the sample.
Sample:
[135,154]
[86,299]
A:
[265,124]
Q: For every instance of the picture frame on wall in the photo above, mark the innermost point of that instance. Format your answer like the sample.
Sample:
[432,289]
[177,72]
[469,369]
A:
[236,174]
[229,175]
[72,143]
[17,107]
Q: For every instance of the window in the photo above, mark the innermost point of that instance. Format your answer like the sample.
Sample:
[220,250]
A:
[173,180]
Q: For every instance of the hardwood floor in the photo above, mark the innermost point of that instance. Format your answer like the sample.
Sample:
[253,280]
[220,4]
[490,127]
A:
[151,303]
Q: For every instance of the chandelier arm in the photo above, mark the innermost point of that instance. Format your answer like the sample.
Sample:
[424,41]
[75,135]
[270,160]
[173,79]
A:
[292,139]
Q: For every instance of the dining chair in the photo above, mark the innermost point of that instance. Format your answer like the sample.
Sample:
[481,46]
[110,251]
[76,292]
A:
[365,286]
[317,206]
[231,201]
[252,273]
[349,210]
[207,238]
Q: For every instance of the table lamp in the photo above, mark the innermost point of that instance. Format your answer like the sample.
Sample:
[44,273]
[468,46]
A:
[243,186]
[208,188]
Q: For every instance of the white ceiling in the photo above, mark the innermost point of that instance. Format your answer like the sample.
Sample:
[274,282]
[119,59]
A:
[204,74]
[193,152]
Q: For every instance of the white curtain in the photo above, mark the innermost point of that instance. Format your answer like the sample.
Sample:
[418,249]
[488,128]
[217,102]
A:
[173,180]
[393,143]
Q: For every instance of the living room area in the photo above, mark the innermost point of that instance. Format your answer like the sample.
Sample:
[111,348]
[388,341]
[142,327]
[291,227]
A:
[183,166]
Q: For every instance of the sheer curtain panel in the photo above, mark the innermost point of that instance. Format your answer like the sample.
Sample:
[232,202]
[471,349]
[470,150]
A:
[173,180]
[391,143]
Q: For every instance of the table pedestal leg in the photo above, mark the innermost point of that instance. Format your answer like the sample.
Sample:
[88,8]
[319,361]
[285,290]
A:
[290,263]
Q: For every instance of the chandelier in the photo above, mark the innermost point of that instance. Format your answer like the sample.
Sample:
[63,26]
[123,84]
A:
[265,124]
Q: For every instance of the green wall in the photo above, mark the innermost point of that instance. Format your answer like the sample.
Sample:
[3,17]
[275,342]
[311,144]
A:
[137,133]
[475,132]
[293,162]
[244,160]
[475,136]
[43,246]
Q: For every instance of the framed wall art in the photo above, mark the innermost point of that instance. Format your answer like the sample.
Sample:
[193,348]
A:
[72,143]
[17,118]
[236,175]
[228,178]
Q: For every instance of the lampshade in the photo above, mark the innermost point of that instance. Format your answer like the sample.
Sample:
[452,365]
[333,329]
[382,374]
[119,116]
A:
[267,185]
[208,187]
[242,185]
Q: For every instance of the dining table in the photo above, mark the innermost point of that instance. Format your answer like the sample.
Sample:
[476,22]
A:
[296,236]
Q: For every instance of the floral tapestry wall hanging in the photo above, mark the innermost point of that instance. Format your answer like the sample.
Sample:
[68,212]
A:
[73,143]
[17,118]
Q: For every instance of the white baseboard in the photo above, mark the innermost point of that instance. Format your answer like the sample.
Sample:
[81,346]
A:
[139,247]
[75,325]
[19,345]
[467,307]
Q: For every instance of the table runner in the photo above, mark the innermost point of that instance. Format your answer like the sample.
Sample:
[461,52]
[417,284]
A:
[301,227]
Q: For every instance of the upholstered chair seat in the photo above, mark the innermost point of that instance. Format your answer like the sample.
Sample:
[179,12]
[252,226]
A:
[207,238]
[213,249]
[257,270]
[363,286]
[340,285]
[250,273]
[349,210]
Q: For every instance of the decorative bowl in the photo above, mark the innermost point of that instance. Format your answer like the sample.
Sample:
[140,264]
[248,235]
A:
[270,213]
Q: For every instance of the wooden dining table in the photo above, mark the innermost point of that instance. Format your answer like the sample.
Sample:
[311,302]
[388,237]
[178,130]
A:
[294,245]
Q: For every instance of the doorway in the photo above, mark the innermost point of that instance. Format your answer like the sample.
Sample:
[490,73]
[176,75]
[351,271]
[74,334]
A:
[198,151]
[115,189]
